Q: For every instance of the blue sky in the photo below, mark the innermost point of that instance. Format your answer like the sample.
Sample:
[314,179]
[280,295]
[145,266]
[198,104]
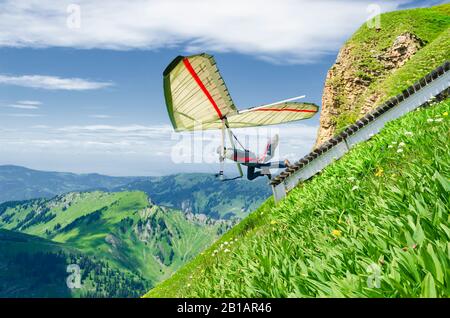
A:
[89,98]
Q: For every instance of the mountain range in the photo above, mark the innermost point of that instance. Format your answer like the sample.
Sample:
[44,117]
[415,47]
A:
[121,241]
[124,234]
[198,193]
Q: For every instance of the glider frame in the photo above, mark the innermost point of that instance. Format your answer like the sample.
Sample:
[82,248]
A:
[226,129]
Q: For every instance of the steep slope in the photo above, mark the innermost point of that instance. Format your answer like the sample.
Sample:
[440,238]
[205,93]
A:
[13,265]
[31,266]
[124,228]
[377,63]
[373,224]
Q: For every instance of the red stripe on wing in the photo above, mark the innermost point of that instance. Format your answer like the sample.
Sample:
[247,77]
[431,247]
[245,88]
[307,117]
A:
[202,86]
[285,110]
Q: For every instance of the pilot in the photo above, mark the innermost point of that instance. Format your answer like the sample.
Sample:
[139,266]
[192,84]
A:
[253,162]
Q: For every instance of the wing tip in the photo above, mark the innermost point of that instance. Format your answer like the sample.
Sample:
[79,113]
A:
[173,64]
[179,58]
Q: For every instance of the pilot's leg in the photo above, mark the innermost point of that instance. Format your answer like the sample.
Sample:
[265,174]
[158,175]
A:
[252,174]
[265,167]
[276,164]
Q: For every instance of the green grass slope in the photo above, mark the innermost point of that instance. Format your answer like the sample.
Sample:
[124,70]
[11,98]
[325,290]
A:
[367,45]
[373,224]
[19,279]
[124,229]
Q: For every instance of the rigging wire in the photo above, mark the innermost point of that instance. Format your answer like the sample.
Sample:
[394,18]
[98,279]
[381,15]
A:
[235,138]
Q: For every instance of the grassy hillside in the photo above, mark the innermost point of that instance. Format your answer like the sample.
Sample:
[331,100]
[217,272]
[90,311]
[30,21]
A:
[368,50]
[31,266]
[378,215]
[124,229]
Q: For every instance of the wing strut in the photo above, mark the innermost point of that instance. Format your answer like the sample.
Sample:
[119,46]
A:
[230,136]
[222,152]
[223,149]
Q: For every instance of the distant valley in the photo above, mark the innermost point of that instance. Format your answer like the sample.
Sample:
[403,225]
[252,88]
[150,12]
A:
[125,234]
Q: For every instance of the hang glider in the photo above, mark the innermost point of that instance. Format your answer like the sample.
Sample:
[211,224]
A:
[198,99]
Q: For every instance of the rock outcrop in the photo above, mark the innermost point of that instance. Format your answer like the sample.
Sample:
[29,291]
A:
[346,93]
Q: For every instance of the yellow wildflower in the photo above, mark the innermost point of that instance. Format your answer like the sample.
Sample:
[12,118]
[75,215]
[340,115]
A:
[379,172]
[273,222]
[445,114]
[336,233]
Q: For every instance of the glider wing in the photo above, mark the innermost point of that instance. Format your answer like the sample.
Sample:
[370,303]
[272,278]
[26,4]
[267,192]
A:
[195,92]
[268,115]
[198,99]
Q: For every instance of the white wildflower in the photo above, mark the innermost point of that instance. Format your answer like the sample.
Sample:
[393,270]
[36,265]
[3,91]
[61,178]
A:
[355,188]
[390,146]
[438,120]
[394,142]
[399,150]
[402,144]
[408,133]
[227,250]
[430,120]
[225,243]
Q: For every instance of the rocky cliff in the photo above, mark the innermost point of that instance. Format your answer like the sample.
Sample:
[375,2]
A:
[373,57]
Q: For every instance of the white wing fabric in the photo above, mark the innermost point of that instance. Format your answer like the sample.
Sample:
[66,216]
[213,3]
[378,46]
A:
[198,99]
[195,92]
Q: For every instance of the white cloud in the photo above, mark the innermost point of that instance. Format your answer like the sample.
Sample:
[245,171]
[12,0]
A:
[29,102]
[100,116]
[20,106]
[155,142]
[149,140]
[136,149]
[283,30]
[25,104]
[156,129]
[52,82]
